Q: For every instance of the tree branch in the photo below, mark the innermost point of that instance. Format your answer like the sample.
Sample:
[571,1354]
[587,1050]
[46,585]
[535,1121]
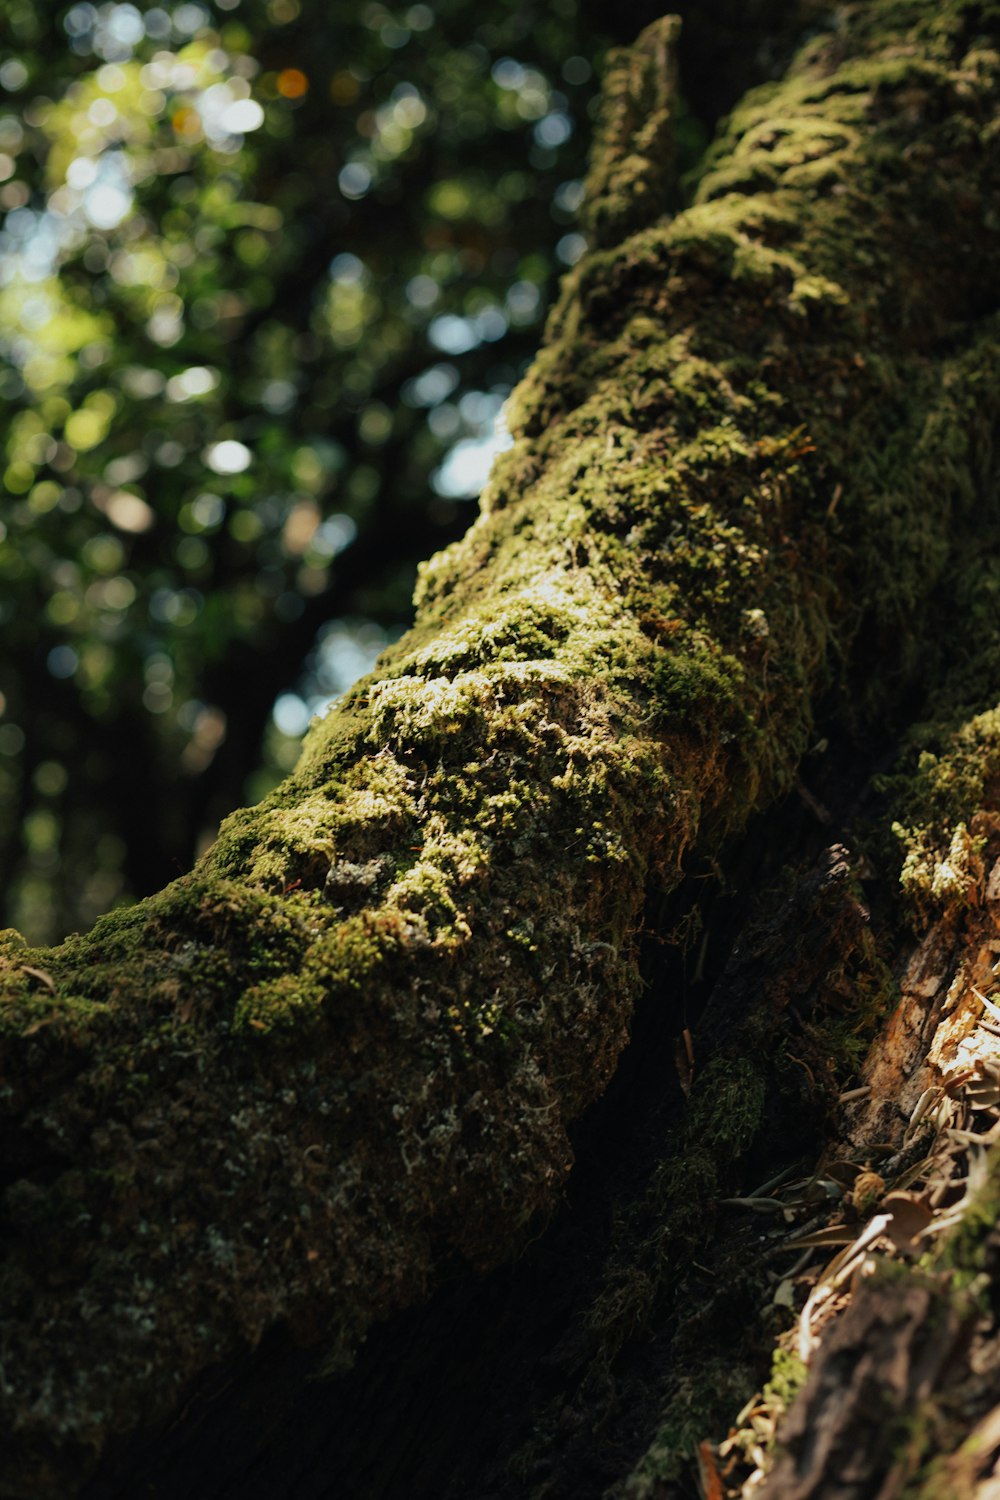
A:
[349,1045]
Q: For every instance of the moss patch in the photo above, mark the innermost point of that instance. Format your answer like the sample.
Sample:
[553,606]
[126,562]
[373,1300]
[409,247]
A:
[349,1045]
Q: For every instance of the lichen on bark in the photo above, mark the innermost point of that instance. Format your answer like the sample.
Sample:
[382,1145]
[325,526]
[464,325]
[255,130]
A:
[349,1045]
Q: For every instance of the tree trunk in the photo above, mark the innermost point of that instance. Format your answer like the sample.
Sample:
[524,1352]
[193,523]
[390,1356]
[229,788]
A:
[749,504]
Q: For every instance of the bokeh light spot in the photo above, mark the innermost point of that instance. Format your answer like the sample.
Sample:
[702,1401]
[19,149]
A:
[292,83]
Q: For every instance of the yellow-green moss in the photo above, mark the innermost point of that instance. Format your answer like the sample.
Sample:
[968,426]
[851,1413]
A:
[742,460]
[633,158]
[944,799]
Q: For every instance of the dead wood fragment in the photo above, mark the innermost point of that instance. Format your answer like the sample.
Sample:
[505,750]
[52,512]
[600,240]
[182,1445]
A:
[892,1347]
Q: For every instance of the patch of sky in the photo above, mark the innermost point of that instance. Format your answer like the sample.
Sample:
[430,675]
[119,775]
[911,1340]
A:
[452,334]
[108,199]
[30,242]
[278,396]
[157,23]
[345,650]
[466,467]
[509,74]
[523,302]
[33,241]
[570,248]
[456,335]
[554,129]
[13,75]
[189,19]
[569,196]
[422,291]
[196,380]
[347,269]
[112,32]
[431,386]
[354,180]
[334,535]
[228,457]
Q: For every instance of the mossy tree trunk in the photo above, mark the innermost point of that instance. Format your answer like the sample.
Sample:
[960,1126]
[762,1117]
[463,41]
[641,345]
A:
[754,471]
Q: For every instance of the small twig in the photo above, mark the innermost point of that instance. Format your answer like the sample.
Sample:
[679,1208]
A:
[773,1182]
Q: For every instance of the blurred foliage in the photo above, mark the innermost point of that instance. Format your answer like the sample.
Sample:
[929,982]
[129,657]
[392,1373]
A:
[267,272]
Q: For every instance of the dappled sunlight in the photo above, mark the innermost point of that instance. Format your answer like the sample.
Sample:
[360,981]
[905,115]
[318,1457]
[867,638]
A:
[266,279]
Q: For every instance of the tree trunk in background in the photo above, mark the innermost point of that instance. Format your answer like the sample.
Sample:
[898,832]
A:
[750,504]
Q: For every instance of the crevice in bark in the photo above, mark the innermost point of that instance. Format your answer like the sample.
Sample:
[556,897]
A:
[441,1398]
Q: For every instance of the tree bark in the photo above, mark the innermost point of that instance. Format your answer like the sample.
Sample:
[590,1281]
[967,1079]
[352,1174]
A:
[347,1050]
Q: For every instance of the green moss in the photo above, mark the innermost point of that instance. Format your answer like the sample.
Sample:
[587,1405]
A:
[756,432]
[941,799]
[283,1004]
[699,1403]
[727,1104]
[971,1247]
[632,163]
[788,1376]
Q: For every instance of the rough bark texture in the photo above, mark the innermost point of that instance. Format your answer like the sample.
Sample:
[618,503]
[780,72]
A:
[347,1049]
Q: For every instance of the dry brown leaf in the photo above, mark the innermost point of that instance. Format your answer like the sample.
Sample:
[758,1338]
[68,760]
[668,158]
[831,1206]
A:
[911,1215]
[820,1239]
[41,976]
[684,1057]
[37,1026]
